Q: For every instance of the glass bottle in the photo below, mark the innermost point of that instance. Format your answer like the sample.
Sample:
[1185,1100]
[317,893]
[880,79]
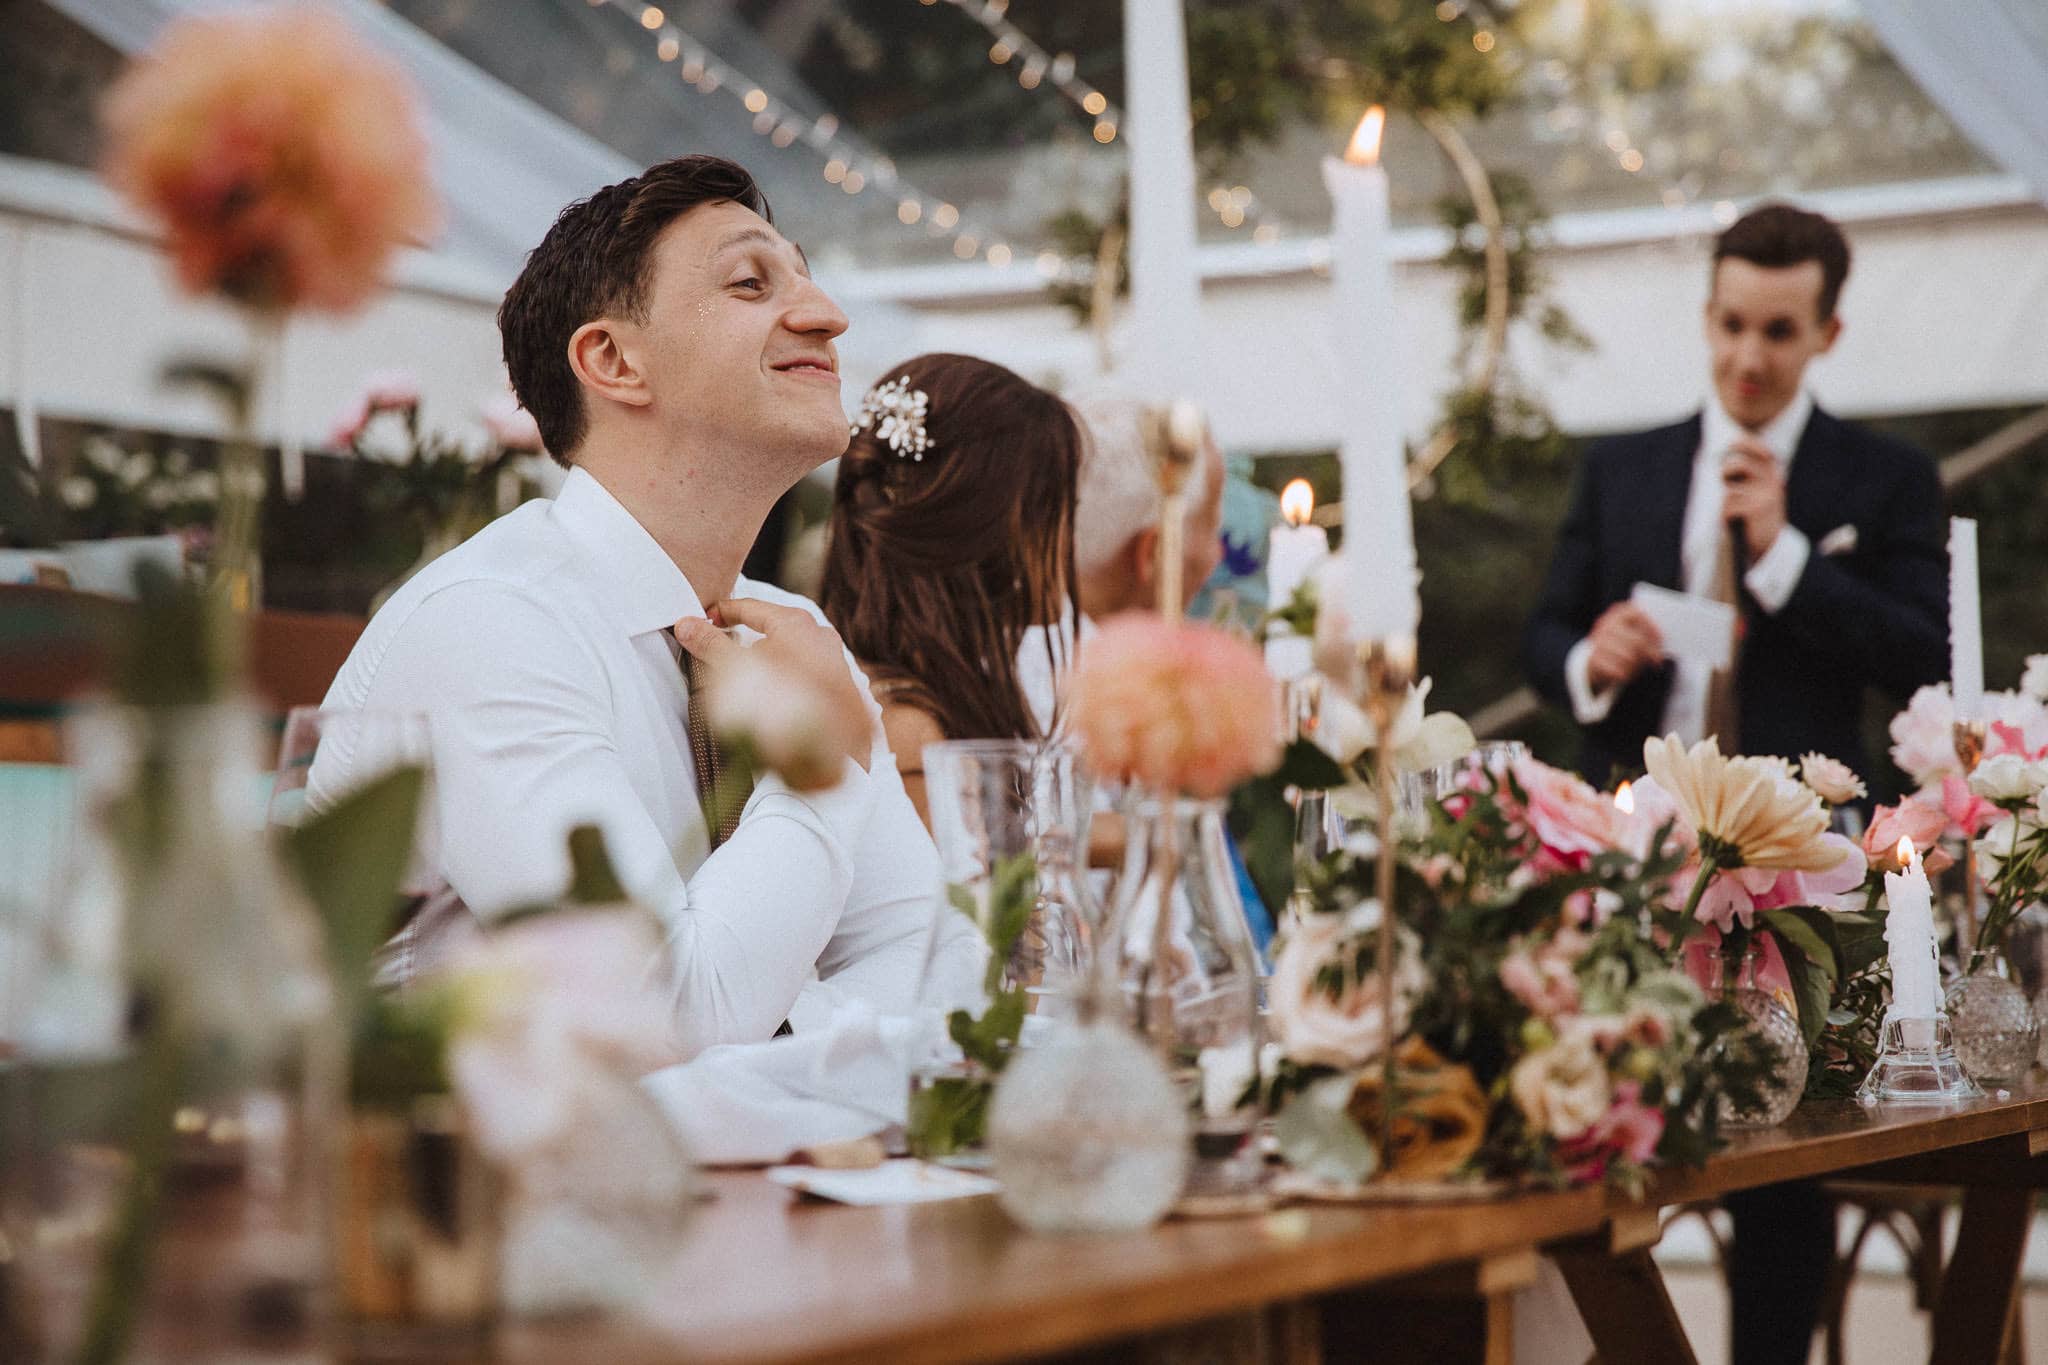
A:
[180,1059]
[1771,1017]
[1187,975]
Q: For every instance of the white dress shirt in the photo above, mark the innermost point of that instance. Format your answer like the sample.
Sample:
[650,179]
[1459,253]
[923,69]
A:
[1771,578]
[541,651]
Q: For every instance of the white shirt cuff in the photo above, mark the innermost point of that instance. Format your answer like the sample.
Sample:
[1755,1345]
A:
[1774,576]
[1588,707]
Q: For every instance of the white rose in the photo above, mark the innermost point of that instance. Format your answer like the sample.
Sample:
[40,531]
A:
[1833,780]
[1563,1089]
[1419,742]
[78,492]
[1999,842]
[2034,682]
[2008,777]
[1351,1028]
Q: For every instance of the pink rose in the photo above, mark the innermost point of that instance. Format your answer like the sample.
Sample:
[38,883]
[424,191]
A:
[1571,819]
[1918,818]
[1546,985]
[1629,1130]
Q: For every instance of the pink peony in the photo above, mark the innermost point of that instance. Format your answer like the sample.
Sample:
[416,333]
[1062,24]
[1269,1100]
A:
[280,155]
[1968,813]
[1571,819]
[1178,707]
[1924,736]
[510,425]
[1735,897]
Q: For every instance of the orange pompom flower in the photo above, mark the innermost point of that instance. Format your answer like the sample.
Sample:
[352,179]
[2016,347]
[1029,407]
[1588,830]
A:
[279,154]
[1179,707]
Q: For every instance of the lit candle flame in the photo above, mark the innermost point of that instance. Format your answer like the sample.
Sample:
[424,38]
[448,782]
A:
[1625,799]
[1298,502]
[1365,143]
[1909,857]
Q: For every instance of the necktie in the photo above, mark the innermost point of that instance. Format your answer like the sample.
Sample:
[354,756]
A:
[711,760]
[1724,716]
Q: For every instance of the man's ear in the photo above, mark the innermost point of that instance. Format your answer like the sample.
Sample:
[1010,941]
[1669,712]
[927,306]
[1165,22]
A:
[1830,333]
[603,364]
[1143,549]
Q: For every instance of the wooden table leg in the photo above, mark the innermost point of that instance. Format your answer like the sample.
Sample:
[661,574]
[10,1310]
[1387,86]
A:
[1626,1307]
[1980,1291]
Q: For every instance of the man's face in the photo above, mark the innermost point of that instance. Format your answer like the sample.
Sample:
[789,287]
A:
[1203,547]
[737,347]
[1763,326]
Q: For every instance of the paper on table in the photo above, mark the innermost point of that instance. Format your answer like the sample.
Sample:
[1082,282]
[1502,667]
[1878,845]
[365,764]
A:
[904,1180]
[1696,630]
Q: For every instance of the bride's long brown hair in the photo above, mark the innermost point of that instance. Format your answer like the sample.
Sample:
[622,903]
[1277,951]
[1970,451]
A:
[938,566]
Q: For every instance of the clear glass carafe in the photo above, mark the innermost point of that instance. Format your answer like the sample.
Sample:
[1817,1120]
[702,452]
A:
[178,1078]
[1187,975]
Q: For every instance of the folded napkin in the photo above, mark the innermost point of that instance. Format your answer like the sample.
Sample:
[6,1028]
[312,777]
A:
[902,1181]
[746,1104]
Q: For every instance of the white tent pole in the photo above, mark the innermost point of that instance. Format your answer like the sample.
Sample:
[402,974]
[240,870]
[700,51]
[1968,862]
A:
[1165,286]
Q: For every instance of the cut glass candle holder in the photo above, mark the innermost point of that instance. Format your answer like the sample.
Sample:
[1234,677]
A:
[1916,1064]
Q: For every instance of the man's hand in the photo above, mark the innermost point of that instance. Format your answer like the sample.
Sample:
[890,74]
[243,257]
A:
[1625,642]
[1753,494]
[795,649]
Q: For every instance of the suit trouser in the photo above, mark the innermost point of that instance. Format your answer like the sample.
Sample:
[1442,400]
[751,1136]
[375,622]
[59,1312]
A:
[1777,1270]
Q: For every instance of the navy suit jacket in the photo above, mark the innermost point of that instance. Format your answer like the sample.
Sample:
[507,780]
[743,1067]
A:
[1876,616]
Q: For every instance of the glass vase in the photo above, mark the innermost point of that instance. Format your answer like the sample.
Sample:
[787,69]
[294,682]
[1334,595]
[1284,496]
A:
[1995,1027]
[179,1061]
[1087,1132]
[1187,977]
[1011,821]
[1772,1020]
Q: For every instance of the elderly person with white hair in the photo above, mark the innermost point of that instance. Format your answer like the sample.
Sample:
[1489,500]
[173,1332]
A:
[1116,533]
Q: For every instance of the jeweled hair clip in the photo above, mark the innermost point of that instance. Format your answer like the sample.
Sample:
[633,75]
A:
[897,413]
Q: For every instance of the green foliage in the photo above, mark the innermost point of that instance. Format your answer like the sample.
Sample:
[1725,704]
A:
[1319,1138]
[1262,821]
[949,1114]
[351,858]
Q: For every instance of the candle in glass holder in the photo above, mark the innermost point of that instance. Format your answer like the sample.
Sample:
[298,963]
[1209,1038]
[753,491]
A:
[1293,551]
[1965,620]
[1379,540]
[1909,937]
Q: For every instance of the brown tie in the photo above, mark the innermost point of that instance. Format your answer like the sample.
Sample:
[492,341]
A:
[711,760]
[1724,716]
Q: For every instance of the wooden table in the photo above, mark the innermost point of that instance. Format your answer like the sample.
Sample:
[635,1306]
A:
[767,1279]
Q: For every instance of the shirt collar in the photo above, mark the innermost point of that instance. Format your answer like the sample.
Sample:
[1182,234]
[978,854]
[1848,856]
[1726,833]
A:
[639,580]
[1780,435]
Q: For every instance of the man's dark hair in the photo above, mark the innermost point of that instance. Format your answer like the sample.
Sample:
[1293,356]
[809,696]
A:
[1778,235]
[597,259]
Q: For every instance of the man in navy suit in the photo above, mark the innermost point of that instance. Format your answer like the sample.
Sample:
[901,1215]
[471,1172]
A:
[1827,540]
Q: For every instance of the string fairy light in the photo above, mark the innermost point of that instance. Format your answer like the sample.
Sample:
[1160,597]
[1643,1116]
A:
[847,164]
[1036,65]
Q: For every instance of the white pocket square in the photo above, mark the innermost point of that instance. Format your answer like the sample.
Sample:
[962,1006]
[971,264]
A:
[1840,541]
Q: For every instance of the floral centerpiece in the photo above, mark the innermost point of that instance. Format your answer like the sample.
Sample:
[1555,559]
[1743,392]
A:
[1540,1026]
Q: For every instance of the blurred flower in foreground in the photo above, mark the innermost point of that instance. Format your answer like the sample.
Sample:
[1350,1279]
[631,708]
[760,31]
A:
[280,155]
[1180,707]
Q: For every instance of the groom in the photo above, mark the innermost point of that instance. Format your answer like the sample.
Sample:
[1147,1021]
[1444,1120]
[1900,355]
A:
[678,358]
[1826,539]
